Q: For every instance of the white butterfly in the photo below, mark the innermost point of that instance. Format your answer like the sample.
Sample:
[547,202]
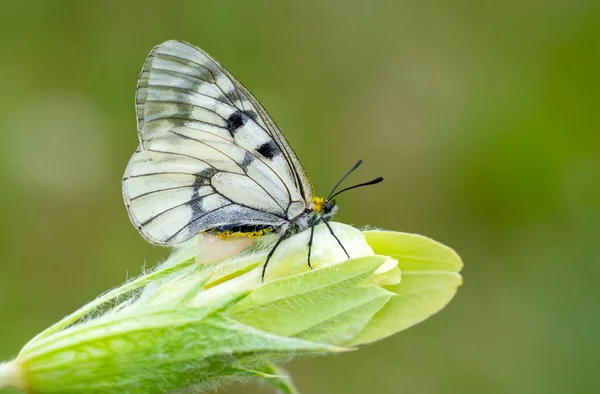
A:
[211,159]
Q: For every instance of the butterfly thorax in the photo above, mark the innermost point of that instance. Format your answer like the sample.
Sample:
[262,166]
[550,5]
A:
[319,208]
[324,207]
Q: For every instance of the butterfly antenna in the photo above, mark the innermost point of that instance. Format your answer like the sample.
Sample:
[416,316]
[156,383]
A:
[373,182]
[354,167]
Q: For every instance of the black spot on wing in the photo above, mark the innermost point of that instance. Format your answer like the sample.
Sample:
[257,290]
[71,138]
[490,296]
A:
[269,150]
[248,159]
[235,121]
[232,96]
[239,119]
[202,179]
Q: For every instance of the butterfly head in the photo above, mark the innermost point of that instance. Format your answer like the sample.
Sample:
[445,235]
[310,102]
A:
[327,208]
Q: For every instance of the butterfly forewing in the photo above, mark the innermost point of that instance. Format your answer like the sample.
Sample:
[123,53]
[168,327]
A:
[209,154]
[299,174]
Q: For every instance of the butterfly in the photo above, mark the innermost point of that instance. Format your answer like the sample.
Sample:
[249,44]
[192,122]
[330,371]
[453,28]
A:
[211,160]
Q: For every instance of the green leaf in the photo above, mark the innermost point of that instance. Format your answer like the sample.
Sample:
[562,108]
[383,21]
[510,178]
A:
[328,304]
[430,278]
[183,347]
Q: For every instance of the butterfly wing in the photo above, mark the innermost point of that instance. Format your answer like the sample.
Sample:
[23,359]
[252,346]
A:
[209,154]
[301,179]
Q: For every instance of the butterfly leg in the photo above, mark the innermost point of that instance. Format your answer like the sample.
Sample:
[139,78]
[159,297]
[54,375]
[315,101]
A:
[281,238]
[310,241]
[335,236]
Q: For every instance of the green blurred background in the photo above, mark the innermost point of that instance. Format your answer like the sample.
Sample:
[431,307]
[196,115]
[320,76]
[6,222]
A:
[482,116]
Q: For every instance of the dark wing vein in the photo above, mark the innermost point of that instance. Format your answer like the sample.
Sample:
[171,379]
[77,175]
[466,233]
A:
[186,103]
[161,173]
[177,206]
[183,155]
[161,190]
[193,92]
[230,102]
[201,122]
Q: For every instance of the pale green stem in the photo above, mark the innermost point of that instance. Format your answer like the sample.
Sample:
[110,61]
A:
[280,379]
[10,375]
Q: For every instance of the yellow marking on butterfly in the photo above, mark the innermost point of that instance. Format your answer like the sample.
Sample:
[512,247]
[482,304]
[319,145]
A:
[237,234]
[319,203]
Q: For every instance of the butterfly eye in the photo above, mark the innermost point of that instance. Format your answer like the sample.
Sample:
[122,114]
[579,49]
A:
[328,206]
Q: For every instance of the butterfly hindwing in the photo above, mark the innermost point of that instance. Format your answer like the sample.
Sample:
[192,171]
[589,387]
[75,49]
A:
[209,154]
[170,203]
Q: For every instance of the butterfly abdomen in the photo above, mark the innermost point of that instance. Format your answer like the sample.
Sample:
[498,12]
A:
[242,230]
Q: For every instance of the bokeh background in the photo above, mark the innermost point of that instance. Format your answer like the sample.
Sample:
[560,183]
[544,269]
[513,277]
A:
[482,116]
